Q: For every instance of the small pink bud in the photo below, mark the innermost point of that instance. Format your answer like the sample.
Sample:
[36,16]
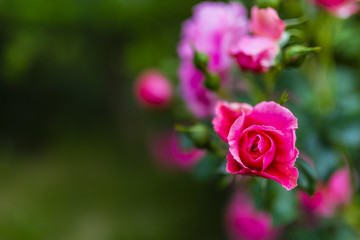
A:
[266,23]
[255,53]
[153,89]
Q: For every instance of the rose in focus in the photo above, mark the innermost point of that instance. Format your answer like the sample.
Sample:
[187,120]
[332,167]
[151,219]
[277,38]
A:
[261,140]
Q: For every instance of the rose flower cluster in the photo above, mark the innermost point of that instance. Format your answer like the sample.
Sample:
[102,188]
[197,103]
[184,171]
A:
[220,46]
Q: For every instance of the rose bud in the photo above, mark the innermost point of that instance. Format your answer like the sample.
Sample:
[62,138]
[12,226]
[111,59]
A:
[266,23]
[245,222]
[153,89]
[339,8]
[255,53]
[261,140]
[171,154]
[328,198]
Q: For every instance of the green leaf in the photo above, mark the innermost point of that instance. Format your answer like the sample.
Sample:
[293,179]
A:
[283,204]
[307,180]
[198,133]
[284,97]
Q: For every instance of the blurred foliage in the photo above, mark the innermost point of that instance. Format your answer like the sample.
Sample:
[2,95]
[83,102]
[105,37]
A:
[74,158]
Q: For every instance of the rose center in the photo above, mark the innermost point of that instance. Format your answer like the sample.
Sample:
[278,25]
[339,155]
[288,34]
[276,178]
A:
[256,149]
[255,146]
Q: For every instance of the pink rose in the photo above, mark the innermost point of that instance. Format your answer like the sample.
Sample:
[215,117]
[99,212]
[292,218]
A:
[214,27]
[153,89]
[245,222]
[255,53]
[261,141]
[170,154]
[340,8]
[266,22]
[328,198]
[199,100]
[226,114]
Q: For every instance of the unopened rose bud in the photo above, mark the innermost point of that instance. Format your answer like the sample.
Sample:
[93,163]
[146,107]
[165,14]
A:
[212,81]
[153,89]
[201,61]
[198,133]
[295,55]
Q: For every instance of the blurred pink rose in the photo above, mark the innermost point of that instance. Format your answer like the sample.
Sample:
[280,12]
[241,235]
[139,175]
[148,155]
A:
[328,198]
[261,141]
[245,222]
[199,100]
[340,8]
[255,53]
[214,27]
[170,153]
[153,89]
[266,23]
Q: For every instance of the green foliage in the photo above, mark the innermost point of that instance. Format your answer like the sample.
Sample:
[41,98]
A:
[308,179]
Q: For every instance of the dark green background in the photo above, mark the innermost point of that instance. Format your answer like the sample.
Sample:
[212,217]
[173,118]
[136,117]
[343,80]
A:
[73,154]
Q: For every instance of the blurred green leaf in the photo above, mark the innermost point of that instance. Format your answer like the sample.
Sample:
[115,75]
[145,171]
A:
[283,204]
[307,180]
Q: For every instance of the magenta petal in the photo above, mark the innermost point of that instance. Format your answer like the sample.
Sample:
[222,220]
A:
[234,136]
[232,165]
[272,114]
[255,53]
[283,173]
[266,22]
[226,114]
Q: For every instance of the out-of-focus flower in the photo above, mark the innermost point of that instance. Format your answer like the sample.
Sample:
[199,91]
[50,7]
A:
[212,30]
[153,89]
[340,8]
[255,53]
[214,27]
[245,222]
[171,154]
[199,100]
[258,52]
[261,141]
[266,22]
[328,198]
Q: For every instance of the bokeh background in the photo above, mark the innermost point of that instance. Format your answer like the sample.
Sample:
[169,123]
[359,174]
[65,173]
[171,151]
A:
[74,162]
